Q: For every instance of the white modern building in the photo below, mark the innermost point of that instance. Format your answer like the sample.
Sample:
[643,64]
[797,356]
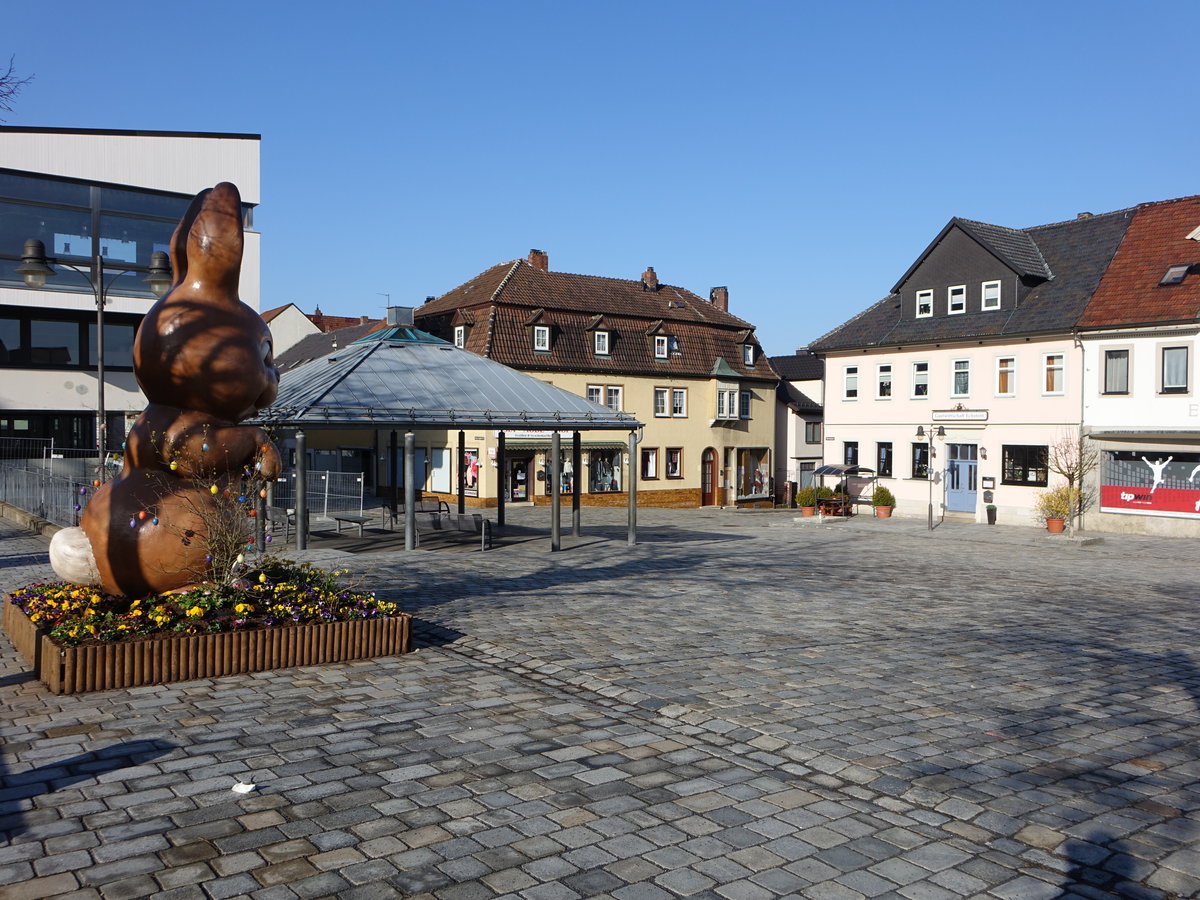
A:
[88,196]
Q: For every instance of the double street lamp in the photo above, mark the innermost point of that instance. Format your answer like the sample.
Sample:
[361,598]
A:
[938,431]
[35,269]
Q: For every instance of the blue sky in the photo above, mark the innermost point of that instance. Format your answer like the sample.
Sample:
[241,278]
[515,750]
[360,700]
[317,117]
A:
[802,154]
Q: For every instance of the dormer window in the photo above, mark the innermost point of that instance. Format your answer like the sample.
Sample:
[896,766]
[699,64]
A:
[541,338]
[600,343]
[748,354]
[924,304]
[956,299]
[660,346]
[460,336]
[991,295]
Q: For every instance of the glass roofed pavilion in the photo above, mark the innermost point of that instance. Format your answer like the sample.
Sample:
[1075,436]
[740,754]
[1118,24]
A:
[399,379]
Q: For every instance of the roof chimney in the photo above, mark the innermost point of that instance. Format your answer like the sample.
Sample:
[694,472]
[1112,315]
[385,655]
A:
[649,279]
[719,297]
[401,316]
[539,259]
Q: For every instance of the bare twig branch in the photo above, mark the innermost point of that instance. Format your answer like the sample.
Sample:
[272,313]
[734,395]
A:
[11,84]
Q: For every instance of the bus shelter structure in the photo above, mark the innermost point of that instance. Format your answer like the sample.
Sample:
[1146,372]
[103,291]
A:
[402,379]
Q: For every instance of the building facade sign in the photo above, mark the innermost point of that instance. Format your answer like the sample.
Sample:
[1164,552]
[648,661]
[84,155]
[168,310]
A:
[960,415]
[1151,483]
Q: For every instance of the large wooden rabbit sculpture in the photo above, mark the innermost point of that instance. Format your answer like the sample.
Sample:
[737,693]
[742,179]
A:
[203,359]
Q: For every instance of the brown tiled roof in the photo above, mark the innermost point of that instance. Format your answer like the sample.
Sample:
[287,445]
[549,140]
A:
[269,314]
[333,323]
[508,298]
[1130,293]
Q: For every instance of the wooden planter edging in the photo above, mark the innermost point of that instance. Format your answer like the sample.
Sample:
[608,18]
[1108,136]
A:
[101,667]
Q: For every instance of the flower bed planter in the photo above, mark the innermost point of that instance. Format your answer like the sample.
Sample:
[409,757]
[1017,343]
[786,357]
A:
[158,660]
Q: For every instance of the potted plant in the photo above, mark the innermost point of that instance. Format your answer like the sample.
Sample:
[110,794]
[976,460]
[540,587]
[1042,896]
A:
[1056,505]
[991,513]
[806,499]
[884,501]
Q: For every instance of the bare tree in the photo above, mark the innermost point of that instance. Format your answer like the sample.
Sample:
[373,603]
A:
[1074,455]
[11,84]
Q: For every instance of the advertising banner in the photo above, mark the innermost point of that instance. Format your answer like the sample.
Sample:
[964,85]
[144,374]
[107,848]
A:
[1151,483]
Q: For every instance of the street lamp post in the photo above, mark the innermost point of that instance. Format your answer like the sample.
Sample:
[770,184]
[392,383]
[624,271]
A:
[35,269]
[938,431]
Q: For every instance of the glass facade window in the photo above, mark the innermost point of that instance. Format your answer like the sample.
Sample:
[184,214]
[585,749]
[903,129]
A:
[600,343]
[956,299]
[660,347]
[54,342]
[1006,370]
[924,304]
[883,458]
[920,381]
[612,398]
[660,401]
[1024,464]
[850,453]
[1174,370]
[744,405]
[991,295]
[885,381]
[541,337]
[650,464]
[753,472]
[460,336]
[962,378]
[812,432]
[674,462]
[1116,371]
[679,402]
[920,460]
[748,354]
[604,471]
[851,382]
[1055,374]
[727,403]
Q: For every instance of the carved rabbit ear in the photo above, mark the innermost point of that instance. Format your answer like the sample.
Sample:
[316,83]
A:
[206,247]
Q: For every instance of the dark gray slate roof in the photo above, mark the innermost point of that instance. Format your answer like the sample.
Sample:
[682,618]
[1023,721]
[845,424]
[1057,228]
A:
[799,366]
[312,346]
[796,399]
[1077,252]
[405,377]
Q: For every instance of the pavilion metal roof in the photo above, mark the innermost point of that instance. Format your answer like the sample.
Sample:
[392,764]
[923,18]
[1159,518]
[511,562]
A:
[403,377]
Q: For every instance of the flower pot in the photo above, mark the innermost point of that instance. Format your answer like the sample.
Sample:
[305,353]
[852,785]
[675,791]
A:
[991,515]
[1055,525]
[808,510]
[883,512]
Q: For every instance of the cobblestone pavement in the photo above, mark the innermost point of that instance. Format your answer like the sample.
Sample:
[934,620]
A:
[740,706]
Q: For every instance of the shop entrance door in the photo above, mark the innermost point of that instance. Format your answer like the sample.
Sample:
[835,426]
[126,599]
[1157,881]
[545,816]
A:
[961,470]
[708,478]
[518,478]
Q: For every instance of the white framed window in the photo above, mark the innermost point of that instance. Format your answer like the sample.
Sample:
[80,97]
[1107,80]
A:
[660,402]
[541,337]
[460,335]
[850,381]
[660,346]
[1006,376]
[991,295]
[883,390]
[600,343]
[650,463]
[1054,380]
[1116,371]
[674,462]
[924,304]
[960,384]
[679,402]
[606,395]
[956,299]
[920,379]
[744,405]
[1173,370]
[748,354]
[727,401]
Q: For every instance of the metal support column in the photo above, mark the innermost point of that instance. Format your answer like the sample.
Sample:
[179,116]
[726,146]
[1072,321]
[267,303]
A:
[555,491]
[576,477]
[301,491]
[631,482]
[410,492]
[462,472]
[501,477]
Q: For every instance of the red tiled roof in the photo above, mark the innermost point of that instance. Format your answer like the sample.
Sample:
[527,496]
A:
[1130,293]
[508,298]
[333,323]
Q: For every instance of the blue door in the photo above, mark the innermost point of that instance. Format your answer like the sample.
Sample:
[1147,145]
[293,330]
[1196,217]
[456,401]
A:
[961,468]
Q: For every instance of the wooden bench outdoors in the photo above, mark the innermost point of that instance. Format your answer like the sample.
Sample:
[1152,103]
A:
[349,519]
